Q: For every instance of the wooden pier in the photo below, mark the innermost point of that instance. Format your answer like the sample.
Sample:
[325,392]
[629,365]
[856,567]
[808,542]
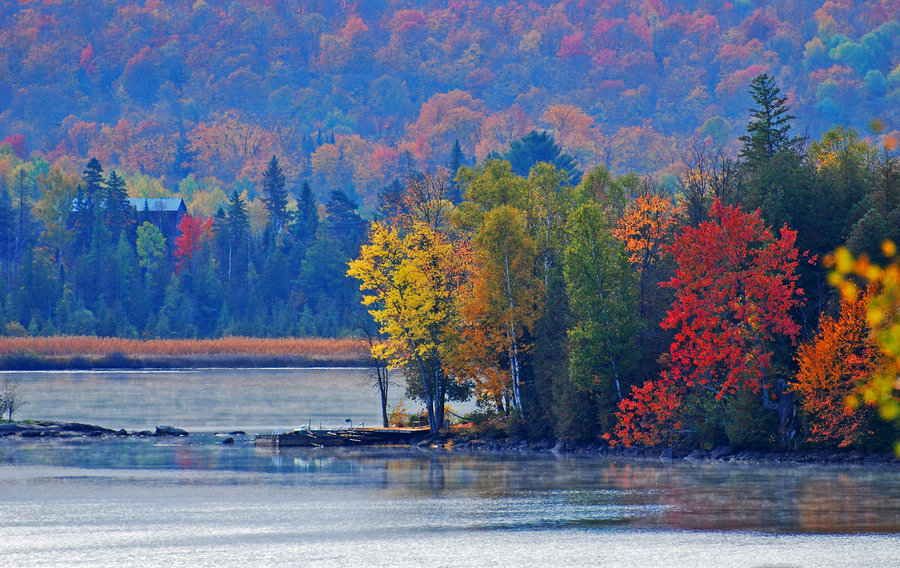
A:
[305,438]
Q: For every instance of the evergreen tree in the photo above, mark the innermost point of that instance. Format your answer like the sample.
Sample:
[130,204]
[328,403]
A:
[6,234]
[306,218]
[536,147]
[118,210]
[237,226]
[274,195]
[183,161]
[344,222]
[768,131]
[23,234]
[93,181]
[457,160]
[775,176]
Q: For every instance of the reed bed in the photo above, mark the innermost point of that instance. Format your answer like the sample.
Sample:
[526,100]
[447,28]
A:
[88,346]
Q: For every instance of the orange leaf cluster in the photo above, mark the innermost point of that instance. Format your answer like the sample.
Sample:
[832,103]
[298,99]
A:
[647,229]
[842,356]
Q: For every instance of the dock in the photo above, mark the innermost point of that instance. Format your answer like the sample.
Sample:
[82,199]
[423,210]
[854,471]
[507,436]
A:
[306,438]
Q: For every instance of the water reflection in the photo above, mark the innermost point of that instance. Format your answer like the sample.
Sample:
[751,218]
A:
[525,492]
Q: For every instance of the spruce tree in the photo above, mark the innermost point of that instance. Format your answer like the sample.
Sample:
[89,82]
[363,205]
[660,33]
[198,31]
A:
[275,196]
[93,181]
[768,131]
[237,225]
[306,218]
[117,207]
[457,160]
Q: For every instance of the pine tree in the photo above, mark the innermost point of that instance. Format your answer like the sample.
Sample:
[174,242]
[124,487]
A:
[769,128]
[93,181]
[117,208]
[275,196]
[306,218]
[237,225]
[457,160]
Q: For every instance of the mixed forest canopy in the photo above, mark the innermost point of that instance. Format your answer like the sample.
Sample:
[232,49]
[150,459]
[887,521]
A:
[354,95]
[601,219]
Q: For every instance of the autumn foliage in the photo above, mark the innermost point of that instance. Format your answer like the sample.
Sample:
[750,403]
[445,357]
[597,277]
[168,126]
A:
[735,286]
[193,231]
[648,229]
[832,368]
[882,387]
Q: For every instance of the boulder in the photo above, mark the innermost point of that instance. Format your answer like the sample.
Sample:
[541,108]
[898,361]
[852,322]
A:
[697,454]
[720,452]
[169,431]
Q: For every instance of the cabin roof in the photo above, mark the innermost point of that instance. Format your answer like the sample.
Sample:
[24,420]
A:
[156,203]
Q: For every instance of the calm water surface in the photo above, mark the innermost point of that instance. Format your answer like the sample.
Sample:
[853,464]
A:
[255,400]
[197,502]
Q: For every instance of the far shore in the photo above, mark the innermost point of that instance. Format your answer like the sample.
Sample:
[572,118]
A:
[86,352]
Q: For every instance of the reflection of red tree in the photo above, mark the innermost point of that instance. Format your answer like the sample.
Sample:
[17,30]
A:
[187,458]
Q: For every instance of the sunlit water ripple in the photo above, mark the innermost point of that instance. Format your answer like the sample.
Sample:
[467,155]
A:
[197,502]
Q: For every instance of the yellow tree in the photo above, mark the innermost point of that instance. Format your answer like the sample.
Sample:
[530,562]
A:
[411,283]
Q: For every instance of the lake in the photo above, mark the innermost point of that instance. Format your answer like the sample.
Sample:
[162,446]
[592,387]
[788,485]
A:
[197,502]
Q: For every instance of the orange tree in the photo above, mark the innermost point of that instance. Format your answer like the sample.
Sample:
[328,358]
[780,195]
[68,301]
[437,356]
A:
[881,388]
[735,285]
[832,367]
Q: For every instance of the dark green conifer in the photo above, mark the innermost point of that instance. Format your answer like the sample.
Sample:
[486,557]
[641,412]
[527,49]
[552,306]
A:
[275,195]
[536,147]
[768,131]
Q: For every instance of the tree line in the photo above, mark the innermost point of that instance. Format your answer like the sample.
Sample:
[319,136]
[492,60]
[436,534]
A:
[569,303]
[347,94]
[74,260]
[612,308]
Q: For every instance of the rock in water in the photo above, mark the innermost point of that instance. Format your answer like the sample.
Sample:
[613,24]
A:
[169,431]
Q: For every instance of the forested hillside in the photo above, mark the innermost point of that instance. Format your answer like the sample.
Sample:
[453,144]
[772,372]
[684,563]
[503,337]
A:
[608,218]
[351,95]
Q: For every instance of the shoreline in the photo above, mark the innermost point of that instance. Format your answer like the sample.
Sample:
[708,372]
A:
[34,362]
[467,444]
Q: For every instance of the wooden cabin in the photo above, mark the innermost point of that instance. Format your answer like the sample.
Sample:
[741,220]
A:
[164,212]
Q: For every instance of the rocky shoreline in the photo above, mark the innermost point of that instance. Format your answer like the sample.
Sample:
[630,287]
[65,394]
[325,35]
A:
[57,429]
[468,444]
[722,454]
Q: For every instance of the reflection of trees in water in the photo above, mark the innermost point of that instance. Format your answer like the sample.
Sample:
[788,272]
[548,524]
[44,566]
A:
[847,504]
[495,491]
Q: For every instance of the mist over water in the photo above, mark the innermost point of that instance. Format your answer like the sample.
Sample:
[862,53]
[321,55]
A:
[196,502]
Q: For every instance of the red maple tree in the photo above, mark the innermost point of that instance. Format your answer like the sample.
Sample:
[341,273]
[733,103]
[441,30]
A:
[193,231]
[735,286]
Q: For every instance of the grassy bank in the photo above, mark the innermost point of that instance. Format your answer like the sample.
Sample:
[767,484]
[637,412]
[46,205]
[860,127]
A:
[83,352]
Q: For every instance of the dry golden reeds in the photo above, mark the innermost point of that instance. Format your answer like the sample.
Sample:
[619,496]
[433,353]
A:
[101,346]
